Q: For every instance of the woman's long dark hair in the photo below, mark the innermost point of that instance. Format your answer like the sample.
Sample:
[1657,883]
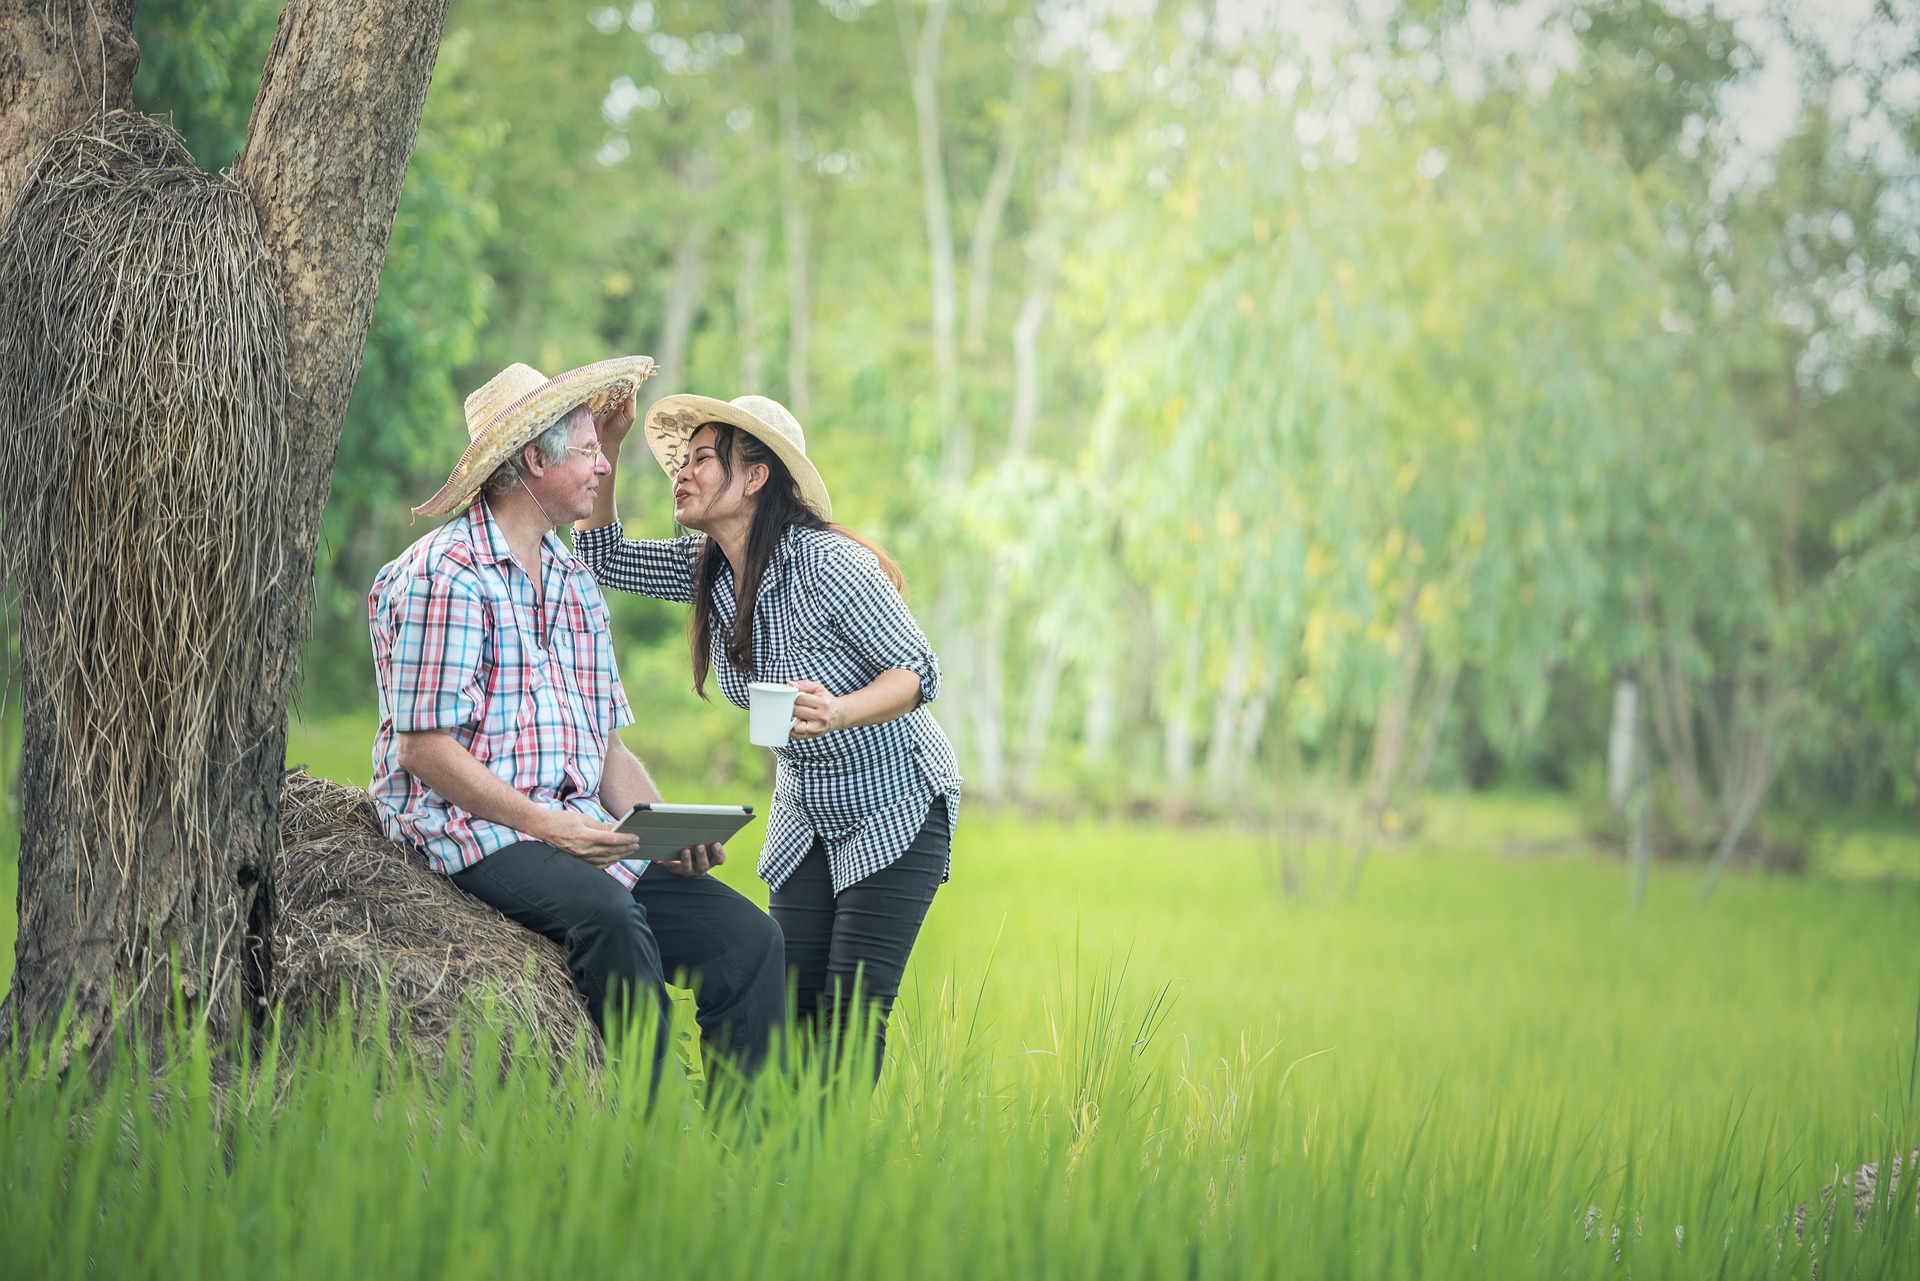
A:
[779,509]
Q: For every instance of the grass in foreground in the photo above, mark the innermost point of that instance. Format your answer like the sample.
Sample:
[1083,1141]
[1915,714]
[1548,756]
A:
[1103,1152]
[1120,1053]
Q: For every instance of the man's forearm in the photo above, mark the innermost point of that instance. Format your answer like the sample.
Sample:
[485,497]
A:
[624,781]
[433,757]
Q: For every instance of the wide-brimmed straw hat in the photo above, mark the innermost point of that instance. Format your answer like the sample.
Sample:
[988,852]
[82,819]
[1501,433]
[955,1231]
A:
[673,420]
[519,403]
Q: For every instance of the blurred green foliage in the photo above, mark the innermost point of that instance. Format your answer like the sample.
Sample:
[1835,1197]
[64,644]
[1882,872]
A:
[1243,408]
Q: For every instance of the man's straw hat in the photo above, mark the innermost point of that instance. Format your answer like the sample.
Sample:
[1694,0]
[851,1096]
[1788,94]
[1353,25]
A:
[519,403]
[673,420]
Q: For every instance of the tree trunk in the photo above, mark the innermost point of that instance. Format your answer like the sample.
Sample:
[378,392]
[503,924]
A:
[1042,693]
[1103,706]
[746,309]
[1620,743]
[1753,753]
[128,929]
[923,69]
[1177,721]
[1439,701]
[62,63]
[1228,706]
[1253,717]
[1393,732]
[1670,699]
[684,285]
[993,204]
[793,217]
[988,702]
[1043,270]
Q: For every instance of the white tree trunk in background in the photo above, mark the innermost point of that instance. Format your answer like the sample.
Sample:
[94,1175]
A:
[1043,272]
[1253,720]
[1042,693]
[1223,739]
[1620,743]
[746,309]
[986,711]
[993,203]
[793,217]
[684,286]
[1177,719]
[1102,710]
[923,72]
[1439,700]
[1393,730]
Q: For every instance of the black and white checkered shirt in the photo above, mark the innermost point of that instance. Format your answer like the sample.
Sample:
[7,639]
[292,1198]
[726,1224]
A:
[827,613]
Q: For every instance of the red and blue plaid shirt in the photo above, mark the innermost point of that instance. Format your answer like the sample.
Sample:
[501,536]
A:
[460,645]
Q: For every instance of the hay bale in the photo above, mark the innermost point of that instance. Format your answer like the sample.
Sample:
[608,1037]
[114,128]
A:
[363,916]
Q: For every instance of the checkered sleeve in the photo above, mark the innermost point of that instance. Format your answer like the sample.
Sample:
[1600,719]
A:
[439,644]
[874,621]
[661,568]
[622,711]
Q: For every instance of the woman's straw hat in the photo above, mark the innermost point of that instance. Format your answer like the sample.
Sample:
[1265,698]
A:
[519,403]
[673,420]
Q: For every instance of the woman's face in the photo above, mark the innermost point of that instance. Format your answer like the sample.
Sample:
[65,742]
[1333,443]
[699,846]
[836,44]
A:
[704,494]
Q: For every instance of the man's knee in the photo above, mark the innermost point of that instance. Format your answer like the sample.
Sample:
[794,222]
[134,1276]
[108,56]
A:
[612,929]
[763,944]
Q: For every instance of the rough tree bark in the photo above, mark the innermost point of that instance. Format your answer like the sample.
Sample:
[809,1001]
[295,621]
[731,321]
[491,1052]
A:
[327,150]
[62,62]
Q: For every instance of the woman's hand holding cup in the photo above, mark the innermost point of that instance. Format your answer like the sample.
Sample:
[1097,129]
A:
[816,711]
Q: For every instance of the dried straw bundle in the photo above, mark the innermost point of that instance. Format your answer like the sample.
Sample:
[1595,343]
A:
[364,918]
[143,468]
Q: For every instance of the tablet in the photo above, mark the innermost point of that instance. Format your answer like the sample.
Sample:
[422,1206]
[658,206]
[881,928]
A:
[664,830]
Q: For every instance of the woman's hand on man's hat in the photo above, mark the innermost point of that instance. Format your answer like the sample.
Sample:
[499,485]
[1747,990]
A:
[612,424]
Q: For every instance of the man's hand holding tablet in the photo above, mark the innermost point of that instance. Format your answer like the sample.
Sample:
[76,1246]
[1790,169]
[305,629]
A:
[684,839]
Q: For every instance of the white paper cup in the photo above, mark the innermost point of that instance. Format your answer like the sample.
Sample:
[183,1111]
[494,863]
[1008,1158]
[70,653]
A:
[769,713]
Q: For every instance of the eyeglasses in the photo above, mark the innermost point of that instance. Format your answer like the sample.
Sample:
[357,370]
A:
[586,451]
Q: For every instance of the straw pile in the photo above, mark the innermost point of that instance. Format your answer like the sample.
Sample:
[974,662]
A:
[363,918]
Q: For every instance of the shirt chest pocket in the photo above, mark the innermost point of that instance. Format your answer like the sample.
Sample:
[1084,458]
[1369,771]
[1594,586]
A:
[563,718]
[569,689]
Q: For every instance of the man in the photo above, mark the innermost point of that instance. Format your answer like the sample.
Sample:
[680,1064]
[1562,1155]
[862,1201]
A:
[496,755]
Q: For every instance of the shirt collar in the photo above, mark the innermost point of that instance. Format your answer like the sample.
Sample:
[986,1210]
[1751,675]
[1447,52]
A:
[489,540]
[783,553]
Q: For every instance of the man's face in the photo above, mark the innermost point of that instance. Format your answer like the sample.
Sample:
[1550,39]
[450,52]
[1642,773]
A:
[566,489]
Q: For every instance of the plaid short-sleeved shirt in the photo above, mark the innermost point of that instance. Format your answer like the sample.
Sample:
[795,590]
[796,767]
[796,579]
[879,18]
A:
[826,612]
[530,690]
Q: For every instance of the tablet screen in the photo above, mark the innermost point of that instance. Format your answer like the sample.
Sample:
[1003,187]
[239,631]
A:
[664,830]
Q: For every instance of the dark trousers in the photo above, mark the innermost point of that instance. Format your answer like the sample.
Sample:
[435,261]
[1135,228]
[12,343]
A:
[868,929]
[622,944]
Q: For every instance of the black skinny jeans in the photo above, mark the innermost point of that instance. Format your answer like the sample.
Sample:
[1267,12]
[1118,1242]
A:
[622,943]
[868,929]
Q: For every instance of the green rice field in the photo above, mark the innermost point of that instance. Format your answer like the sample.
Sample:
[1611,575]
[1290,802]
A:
[1122,1051]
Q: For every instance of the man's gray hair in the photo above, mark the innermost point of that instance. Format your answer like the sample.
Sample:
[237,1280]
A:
[552,444]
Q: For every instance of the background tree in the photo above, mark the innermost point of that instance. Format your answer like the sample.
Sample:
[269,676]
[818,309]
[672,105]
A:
[147,864]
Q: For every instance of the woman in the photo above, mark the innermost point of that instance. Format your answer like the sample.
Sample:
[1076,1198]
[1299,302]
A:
[860,831]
